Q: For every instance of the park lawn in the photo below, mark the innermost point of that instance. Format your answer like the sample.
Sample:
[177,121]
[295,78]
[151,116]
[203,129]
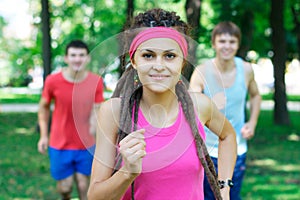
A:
[9,97]
[273,160]
[273,164]
[290,97]
[24,173]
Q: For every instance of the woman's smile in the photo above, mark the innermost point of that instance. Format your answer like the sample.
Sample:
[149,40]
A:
[159,76]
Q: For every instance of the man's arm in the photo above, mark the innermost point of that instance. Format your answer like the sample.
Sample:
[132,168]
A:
[196,82]
[255,103]
[43,120]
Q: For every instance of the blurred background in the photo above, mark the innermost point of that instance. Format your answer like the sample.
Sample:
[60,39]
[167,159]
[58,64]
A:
[22,37]
[21,62]
[33,37]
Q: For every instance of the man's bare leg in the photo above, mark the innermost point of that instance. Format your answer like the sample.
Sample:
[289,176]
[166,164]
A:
[82,183]
[64,187]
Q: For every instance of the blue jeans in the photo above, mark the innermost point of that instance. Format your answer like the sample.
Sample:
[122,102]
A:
[238,175]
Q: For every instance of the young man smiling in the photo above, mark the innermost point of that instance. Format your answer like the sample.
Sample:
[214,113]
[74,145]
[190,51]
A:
[75,92]
[227,80]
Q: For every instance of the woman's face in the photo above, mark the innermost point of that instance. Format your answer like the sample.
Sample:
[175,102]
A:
[159,62]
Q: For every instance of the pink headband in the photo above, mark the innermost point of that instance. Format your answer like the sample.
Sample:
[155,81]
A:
[159,32]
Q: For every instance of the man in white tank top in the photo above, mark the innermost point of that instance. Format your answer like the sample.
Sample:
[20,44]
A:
[227,80]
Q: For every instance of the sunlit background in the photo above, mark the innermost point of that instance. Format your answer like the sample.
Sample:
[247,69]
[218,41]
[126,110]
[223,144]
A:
[19,26]
[18,17]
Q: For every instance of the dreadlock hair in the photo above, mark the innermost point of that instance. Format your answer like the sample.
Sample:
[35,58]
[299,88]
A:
[130,91]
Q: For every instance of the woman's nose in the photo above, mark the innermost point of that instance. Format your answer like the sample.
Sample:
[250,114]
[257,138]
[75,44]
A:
[159,63]
[157,67]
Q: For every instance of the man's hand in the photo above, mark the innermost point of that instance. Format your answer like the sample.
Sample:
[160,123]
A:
[43,145]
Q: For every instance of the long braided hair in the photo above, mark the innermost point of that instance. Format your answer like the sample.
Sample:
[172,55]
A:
[130,91]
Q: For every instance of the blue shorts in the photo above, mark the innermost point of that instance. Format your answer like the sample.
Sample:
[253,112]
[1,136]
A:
[64,163]
[237,178]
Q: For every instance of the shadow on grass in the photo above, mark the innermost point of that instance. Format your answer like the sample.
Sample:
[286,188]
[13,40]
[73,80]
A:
[273,165]
[24,173]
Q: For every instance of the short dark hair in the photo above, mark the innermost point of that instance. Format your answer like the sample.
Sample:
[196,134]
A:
[226,27]
[77,44]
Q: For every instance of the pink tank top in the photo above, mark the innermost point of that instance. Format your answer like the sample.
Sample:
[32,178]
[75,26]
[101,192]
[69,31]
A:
[171,168]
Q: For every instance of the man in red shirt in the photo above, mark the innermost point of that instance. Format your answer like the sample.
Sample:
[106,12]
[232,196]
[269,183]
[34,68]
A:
[76,92]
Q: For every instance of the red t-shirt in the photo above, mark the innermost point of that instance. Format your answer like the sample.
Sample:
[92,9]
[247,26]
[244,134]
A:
[73,103]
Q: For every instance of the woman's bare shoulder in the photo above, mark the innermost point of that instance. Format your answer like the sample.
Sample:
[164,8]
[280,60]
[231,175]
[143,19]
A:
[201,102]
[115,102]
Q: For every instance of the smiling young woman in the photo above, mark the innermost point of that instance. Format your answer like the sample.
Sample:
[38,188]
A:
[151,132]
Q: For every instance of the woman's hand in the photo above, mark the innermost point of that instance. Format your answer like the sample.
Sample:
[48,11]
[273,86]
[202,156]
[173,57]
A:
[132,149]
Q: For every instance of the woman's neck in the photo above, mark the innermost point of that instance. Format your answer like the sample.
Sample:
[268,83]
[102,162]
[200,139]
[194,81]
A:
[160,110]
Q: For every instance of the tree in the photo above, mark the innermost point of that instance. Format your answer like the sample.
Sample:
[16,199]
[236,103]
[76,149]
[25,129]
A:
[193,13]
[129,10]
[129,16]
[46,38]
[281,115]
[246,26]
[296,30]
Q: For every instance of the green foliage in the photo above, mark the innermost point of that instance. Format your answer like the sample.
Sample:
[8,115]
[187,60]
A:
[214,11]
[98,21]
[2,24]
[91,21]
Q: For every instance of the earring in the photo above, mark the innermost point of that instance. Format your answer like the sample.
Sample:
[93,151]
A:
[180,81]
[137,82]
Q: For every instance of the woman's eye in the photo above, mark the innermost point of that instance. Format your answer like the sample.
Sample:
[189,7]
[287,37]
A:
[147,56]
[170,56]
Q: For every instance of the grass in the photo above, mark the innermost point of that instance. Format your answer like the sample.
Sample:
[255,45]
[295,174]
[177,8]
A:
[20,98]
[7,96]
[269,96]
[273,160]
[273,164]
[25,95]
[24,173]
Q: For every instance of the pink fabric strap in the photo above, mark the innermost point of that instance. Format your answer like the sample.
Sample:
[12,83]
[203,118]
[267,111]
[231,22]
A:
[159,32]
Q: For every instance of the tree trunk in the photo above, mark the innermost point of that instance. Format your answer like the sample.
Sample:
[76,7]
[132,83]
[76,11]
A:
[193,13]
[226,13]
[129,16]
[130,9]
[46,47]
[281,115]
[247,33]
[297,27]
